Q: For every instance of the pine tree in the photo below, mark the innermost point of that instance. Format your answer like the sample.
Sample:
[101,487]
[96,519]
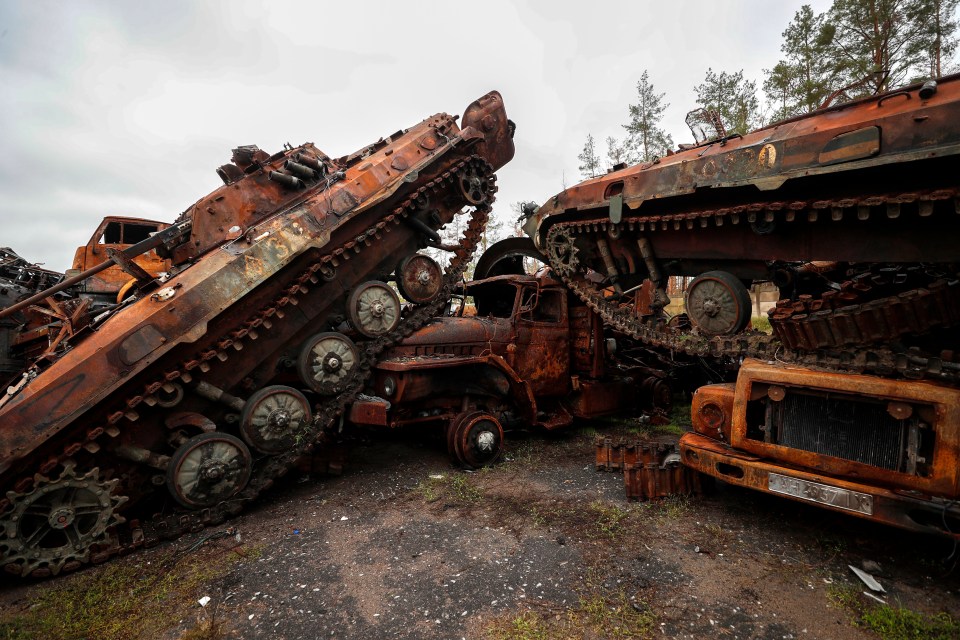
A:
[800,82]
[645,139]
[780,89]
[617,152]
[590,166]
[734,98]
[936,40]
[874,42]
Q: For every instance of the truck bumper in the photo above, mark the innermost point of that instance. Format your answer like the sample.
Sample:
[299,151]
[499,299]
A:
[913,511]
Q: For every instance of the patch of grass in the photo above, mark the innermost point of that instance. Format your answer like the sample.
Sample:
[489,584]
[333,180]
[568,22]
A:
[762,324]
[892,623]
[594,616]
[522,452]
[608,518]
[122,600]
[456,488]
[587,432]
[675,506]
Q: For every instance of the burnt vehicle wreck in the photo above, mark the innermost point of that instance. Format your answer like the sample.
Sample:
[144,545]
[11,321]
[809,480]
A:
[532,356]
[852,212]
[162,397]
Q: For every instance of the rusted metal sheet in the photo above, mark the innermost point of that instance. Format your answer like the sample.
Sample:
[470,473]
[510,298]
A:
[208,383]
[651,470]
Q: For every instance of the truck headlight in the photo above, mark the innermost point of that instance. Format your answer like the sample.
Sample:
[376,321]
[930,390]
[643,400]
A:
[389,386]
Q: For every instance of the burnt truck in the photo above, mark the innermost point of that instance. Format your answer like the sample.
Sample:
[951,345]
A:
[532,356]
[851,212]
[888,450]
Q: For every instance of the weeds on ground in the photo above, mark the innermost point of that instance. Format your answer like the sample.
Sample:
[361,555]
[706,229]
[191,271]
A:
[761,324]
[122,600]
[608,518]
[892,623]
[594,616]
[452,488]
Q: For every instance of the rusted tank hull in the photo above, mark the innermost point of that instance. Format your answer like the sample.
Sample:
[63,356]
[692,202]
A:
[275,283]
[868,188]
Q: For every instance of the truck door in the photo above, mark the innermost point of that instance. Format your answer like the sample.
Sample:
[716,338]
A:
[543,341]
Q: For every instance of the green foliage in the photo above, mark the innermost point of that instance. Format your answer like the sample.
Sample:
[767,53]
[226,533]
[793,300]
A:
[762,324]
[801,81]
[121,600]
[645,139]
[453,488]
[594,616]
[589,160]
[733,97]
[874,41]
[608,518]
[892,623]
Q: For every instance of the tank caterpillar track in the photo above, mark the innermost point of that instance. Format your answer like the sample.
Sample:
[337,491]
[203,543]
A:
[273,467]
[816,331]
[294,278]
[850,211]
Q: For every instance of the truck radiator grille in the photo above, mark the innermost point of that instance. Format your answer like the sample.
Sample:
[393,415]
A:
[840,427]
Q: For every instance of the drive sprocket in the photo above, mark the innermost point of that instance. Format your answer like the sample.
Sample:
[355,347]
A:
[56,524]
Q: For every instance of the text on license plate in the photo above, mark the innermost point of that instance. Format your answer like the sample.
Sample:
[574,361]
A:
[821,493]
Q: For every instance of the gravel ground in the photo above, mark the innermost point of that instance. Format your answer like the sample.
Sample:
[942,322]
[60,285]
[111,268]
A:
[402,545]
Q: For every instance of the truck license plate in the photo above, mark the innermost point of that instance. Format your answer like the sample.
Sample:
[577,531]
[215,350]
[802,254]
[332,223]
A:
[821,493]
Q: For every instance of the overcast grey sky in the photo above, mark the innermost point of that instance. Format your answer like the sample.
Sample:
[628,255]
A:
[127,108]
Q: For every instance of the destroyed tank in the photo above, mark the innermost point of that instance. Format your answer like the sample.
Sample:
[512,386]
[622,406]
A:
[175,407]
[851,211]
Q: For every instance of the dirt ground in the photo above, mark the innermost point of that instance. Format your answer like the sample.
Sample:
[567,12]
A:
[403,545]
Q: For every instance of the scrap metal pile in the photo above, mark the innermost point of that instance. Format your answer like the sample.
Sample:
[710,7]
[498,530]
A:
[208,355]
[168,402]
[852,211]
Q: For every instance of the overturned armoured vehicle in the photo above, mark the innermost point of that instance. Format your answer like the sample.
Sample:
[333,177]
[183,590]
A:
[179,402]
[852,212]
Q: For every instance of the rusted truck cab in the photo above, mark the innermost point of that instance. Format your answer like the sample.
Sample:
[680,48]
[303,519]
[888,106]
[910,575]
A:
[881,449]
[533,355]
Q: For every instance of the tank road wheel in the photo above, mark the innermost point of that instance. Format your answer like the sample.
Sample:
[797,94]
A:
[477,439]
[327,362]
[208,469]
[272,417]
[718,303]
[474,185]
[419,278]
[55,525]
[374,308]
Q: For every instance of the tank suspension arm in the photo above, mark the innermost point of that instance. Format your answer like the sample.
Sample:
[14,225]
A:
[660,299]
[169,237]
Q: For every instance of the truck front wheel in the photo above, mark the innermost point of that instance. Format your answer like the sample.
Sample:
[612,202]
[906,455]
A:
[475,439]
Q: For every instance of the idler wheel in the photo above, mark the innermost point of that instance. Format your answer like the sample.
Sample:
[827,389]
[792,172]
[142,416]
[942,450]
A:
[272,418]
[419,278]
[475,439]
[718,304]
[374,308]
[474,185]
[208,469]
[327,362]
